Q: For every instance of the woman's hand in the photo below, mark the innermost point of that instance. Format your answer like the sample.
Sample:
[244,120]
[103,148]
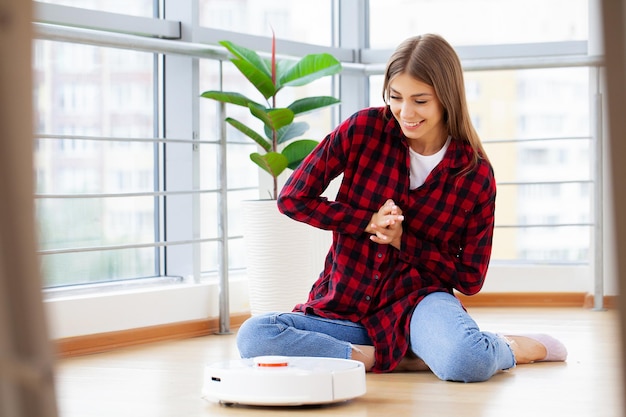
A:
[386,225]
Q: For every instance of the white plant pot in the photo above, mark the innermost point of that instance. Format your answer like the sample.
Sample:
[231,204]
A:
[284,257]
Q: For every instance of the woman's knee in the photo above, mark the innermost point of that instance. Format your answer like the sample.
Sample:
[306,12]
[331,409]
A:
[254,333]
[465,367]
[471,360]
[449,341]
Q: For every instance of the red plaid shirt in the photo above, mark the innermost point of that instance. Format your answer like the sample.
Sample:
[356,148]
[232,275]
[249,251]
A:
[446,241]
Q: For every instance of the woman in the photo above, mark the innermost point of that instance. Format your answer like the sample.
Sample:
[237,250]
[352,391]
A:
[412,221]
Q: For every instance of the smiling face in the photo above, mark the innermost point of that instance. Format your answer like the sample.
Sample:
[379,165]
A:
[419,112]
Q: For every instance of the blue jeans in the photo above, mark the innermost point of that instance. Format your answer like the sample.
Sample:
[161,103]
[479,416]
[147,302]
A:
[442,334]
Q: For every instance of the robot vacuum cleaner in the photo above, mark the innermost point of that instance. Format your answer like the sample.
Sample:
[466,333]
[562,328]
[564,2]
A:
[283,381]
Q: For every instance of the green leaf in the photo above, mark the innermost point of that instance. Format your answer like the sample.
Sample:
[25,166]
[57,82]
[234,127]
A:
[248,55]
[308,104]
[229,97]
[259,79]
[274,119]
[260,140]
[272,162]
[297,151]
[283,66]
[278,123]
[310,68]
[290,131]
[256,69]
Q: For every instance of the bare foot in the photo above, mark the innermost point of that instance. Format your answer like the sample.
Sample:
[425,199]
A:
[526,350]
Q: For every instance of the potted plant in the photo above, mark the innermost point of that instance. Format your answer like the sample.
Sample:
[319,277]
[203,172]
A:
[269,77]
[281,268]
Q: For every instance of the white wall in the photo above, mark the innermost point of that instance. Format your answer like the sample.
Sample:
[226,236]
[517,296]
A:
[109,311]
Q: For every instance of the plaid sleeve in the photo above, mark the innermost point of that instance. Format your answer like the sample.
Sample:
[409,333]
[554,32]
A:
[301,197]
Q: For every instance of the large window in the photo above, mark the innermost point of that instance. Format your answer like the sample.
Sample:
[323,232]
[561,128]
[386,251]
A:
[114,191]
[94,108]
[536,129]
[535,126]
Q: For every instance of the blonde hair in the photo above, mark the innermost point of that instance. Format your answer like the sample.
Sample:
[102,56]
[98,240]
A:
[431,59]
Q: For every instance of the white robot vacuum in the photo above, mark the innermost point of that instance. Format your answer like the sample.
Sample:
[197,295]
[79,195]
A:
[283,381]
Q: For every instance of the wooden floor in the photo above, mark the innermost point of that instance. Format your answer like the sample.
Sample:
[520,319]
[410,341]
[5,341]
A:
[165,379]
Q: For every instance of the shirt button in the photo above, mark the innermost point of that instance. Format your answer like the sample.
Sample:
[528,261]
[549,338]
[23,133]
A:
[379,255]
[376,276]
[367,297]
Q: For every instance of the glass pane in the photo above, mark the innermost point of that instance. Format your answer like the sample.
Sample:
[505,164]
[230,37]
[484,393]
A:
[535,125]
[143,8]
[547,113]
[542,204]
[210,258]
[96,267]
[292,20]
[209,216]
[97,93]
[545,160]
[464,22]
[542,244]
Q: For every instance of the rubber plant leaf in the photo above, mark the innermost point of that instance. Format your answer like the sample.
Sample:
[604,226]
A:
[308,104]
[261,81]
[229,97]
[274,119]
[297,151]
[283,66]
[260,140]
[246,54]
[310,68]
[272,162]
[286,133]
[253,67]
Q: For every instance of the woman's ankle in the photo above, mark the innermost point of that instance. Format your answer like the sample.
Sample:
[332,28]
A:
[526,350]
[365,354]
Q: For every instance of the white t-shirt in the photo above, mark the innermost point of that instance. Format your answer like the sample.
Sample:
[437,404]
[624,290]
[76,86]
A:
[422,165]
